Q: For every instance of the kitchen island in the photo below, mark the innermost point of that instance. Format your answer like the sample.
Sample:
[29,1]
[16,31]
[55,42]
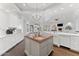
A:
[41,45]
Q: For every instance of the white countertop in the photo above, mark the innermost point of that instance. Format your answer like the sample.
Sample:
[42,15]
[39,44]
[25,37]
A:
[62,33]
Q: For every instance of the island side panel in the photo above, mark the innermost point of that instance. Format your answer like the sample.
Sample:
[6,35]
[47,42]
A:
[46,47]
[31,47]
[35,48]
[27,46]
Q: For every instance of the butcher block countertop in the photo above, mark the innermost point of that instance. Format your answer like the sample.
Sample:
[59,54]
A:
[41,38]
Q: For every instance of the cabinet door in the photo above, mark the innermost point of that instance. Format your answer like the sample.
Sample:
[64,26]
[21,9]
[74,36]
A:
[46,47]
[56,40]
[27,45]
[50,46]
[44,51]
[75,43]
[34,48]
[65,40]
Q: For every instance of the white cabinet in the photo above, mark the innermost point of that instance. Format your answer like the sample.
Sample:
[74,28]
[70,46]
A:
[75,43]
[70,41]
[56,40]
[44,51]
[27,46]
[65,40]
[34,48]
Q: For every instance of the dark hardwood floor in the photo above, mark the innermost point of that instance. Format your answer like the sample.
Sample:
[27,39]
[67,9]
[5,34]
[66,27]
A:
[61,51]
[18,50]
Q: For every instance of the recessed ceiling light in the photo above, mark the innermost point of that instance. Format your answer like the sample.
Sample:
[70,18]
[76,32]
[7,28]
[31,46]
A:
[7,10]
[12,10]
[24,4]
[78,10]
[55,11]
[62,8]
[71,5]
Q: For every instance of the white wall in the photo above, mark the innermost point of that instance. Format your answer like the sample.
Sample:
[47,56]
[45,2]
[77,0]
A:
[9,17]
[4,23]
[64,16]
[4,19]
[9,20]
[15,21]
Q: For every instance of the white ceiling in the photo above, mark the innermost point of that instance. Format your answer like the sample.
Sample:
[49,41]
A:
[34,7]
[38,7]
[47,11]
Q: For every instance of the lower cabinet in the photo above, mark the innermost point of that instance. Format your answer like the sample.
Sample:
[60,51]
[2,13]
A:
[69,41]
[27,46]
[63,40]
[34,48]
[75,43]
[56,40]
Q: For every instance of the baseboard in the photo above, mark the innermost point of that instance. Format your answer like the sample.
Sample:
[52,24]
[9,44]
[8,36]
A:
[64,47]
[12,47]
[74,51]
